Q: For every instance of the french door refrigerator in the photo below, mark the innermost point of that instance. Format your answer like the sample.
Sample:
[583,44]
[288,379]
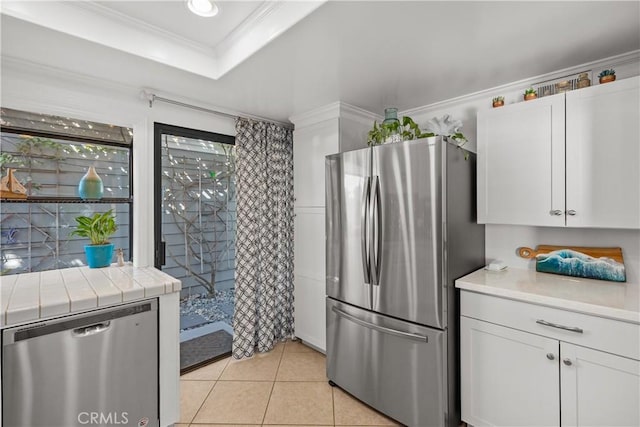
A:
[400,228]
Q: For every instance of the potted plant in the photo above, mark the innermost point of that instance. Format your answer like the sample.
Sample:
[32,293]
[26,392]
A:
[98,228]
[498,101]
[607,76]
[405,131]
[530,94]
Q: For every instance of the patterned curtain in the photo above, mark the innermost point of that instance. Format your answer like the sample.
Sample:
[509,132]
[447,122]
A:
[264,243]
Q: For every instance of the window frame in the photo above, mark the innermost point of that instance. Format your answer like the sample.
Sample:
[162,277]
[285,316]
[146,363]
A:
[77,200]
[160,129]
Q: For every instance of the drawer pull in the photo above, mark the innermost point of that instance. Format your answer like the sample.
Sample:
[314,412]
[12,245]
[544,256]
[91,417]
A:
[567,362]
[555,325]
[379,328]
[550,356]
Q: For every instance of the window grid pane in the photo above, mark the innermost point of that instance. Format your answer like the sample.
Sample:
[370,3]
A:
[35,234]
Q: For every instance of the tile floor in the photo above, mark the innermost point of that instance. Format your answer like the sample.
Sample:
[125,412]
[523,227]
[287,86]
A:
[286,387]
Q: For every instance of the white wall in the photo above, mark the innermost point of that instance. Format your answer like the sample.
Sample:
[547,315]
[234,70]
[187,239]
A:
[32,87]
[502,240]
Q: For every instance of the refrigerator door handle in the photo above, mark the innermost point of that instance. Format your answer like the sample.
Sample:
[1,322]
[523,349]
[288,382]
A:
[377,243]
[366,267]
[379,328]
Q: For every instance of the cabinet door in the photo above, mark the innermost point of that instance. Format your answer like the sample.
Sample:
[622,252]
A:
[521,163]
[598,388]
[603,153]
[309,276]
[508,377]
[310,146]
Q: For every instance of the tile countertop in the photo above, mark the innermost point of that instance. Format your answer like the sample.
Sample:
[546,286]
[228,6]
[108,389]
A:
[32,296]
[614,300]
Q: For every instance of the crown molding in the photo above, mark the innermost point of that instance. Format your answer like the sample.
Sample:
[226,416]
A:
[358,115]
[105,29]
[96,23]
[317,115]
[265,24]
[255,18]
[129,21]
[625,58]
[335,110]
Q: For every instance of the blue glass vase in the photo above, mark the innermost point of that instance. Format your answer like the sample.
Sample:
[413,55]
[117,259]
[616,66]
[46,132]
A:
[391,119]
[90,186]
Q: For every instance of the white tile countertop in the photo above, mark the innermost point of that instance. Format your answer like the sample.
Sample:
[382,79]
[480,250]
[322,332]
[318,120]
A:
[32,296]
[614,300]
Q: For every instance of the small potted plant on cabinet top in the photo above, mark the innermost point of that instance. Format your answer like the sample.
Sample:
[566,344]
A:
[530,94]
[498,101]
[98,228]
[607,76]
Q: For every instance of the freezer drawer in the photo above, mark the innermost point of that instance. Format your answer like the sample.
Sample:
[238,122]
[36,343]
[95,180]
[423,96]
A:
[393,366]
[97,368]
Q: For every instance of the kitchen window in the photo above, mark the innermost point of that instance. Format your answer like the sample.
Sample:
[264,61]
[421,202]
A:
[49,156]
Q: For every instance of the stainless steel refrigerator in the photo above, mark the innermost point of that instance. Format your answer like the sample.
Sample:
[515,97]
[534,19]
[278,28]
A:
[400,228]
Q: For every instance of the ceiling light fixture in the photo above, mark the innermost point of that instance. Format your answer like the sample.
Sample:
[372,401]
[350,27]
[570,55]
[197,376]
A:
[205,8]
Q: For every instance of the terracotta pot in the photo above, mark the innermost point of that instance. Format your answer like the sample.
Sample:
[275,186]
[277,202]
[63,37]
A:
[607,79]
[497,104]
[530,96]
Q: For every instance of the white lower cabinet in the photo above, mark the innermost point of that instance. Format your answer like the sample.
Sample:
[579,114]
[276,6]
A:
[506,377]
[598,388]
[511,377]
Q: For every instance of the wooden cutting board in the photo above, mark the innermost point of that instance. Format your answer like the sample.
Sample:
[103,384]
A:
[570,264]
[613,253]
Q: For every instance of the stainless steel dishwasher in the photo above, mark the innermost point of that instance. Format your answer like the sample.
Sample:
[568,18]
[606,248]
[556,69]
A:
[95,368]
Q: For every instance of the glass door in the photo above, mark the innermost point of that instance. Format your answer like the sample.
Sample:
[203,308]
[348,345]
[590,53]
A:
[195,217]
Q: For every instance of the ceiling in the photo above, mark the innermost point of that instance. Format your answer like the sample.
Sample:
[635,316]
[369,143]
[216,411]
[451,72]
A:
[166,32]
[370,54]
[175,17]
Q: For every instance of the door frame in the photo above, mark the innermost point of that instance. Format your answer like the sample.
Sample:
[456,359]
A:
[160,129]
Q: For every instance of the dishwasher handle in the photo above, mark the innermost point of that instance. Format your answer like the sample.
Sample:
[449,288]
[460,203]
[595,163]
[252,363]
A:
[86,331]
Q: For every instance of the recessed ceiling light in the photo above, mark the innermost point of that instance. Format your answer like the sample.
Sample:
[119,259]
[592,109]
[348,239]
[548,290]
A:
[203,7]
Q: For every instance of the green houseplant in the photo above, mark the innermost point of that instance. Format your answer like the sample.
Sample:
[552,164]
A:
[607,76]
[97,228]
[498,101]
[407,129]
[530,94]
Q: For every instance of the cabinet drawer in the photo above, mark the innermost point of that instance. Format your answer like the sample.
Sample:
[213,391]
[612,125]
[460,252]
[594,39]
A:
[608,335]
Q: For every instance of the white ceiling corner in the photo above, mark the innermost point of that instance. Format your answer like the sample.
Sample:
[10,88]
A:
[261,27]
[103,23]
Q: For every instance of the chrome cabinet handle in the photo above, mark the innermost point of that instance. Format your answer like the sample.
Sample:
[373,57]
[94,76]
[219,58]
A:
[567,362]
[571,212]
[363,235]
[555,325]
[379,328]
[556,212]
[550,356]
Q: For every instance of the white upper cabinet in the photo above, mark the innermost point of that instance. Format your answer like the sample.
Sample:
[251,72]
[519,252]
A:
[603,155]
[521,163]
[311,145]
[563,160]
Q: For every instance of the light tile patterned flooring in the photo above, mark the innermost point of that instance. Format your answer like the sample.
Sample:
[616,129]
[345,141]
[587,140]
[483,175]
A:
[287,386]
